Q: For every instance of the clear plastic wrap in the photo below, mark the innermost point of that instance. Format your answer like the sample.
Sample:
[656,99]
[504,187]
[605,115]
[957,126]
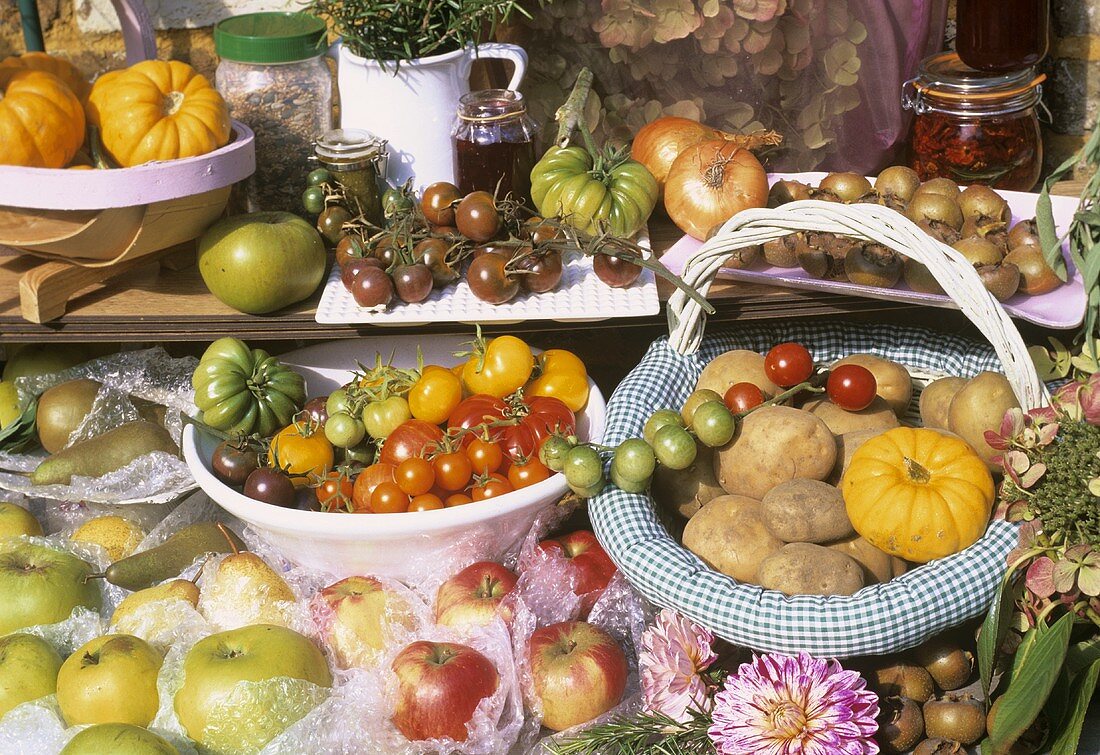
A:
[131,380]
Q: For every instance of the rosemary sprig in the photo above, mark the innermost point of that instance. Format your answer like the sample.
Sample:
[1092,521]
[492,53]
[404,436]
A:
[649,733]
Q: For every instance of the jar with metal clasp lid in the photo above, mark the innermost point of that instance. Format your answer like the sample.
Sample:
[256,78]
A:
[357,161]
[973,126]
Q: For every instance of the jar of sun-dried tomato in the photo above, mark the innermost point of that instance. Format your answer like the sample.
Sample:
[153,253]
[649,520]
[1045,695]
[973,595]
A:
[974,126]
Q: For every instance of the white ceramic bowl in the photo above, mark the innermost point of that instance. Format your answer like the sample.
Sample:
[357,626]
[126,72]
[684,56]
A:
[402,546]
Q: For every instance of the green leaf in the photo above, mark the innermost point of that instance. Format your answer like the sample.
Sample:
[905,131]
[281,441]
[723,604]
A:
[1035,670]
[1082,654]
[994,629]
[20,434]
[1069,726]
[1048,234]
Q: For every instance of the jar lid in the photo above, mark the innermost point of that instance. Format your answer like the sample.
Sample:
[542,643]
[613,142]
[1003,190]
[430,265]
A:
[945,84]
[345,149]
[488,105]
[270,37]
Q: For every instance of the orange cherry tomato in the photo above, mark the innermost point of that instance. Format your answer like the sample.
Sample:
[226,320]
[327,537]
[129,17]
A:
[426,502]
[365,484]
[485,455]
[435,395]
[457,499]
[452,470]
[522,475]
[415,476]
[334,493]
[494,487]
[388,498]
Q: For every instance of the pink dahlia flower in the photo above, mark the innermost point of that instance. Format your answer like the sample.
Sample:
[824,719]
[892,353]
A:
[783,705]
[674,652]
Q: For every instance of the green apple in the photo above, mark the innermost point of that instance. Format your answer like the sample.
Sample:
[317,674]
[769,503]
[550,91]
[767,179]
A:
[118,739]
[28,670]
[262,262]
[111,679]
[16,520]
[364,613]
[41,585]
[9,403]
[225,714]
[44,359]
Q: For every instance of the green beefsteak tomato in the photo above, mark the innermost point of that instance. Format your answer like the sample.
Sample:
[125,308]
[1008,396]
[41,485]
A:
[588,190]
[243,390]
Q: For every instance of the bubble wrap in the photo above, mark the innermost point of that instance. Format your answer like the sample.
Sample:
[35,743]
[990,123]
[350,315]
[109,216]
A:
[149,375]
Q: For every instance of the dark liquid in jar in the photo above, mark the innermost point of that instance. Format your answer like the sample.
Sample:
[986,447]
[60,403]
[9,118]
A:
[1002,35]
[479,167]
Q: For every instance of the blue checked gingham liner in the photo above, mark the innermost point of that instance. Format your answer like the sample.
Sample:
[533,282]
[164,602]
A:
[879,619]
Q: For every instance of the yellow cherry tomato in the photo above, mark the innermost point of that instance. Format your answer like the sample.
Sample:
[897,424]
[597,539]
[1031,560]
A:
[304,454]
[435,395]
[562,375]
[504,367]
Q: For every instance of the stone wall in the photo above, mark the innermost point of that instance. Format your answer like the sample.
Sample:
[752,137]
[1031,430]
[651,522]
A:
[83,30]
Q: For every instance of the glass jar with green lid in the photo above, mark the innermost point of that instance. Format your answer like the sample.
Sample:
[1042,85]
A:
[274,77]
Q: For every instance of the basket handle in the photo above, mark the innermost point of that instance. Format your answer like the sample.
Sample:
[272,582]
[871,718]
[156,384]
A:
[866,222]
[137,30]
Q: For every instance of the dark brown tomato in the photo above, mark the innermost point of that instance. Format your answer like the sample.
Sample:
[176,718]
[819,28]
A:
[317,409]
[270,486]
[540,272]
[489,279]
[232,464]
[372,288]
[331,223]
[413,283]
[477,216]
[437,257]
[351,247]
[615,271]
[354,268]
[437,203]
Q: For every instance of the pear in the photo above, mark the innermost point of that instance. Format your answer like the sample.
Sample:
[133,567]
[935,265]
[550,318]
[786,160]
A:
[16,520]
[117,535]
[146,613]
[244,590]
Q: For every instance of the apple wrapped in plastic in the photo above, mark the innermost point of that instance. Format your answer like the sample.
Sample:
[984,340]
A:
[360,616]
[112,679]
[578,672]
[28,670]
[440,685]
[243,687]
[475,596]
[41,585]
[118,739]
[591,567]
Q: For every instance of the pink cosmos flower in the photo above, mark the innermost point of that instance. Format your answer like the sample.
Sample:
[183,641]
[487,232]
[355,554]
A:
[674,652]
[783,705]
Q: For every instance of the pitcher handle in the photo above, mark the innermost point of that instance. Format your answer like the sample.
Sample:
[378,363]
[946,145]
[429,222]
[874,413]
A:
[504,51]
[334,50]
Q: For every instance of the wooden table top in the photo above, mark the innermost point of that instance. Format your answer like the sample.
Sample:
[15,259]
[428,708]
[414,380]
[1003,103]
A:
[152,303]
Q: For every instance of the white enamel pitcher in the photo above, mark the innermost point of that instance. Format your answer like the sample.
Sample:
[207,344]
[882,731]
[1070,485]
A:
[412,105]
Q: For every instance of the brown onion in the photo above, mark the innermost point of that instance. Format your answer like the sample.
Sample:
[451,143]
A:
[710,182]
[660,142]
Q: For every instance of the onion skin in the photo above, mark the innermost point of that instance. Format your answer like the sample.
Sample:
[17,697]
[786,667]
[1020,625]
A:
[660,142]
[710,182]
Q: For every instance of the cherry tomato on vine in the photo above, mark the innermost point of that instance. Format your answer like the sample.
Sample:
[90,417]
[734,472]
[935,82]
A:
[536,419]
[435,395]
[388,498]
[457,499]
[788,364]
[485,455]
[426,502]
[527,473]
[411,438]
[415,476]
[437,203]
[365,484]
[302,452]
[452,470]
[499,367]
[740,397]
[490,279]
[477,216]
[383,417]
[492,487]
[335,492]
[851,387]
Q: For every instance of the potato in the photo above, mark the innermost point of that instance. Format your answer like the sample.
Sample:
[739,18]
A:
[846,446]
[878,416]
[806,511]
[729,535]
[877,565]
[808,569]
[772,445]
[935,401]
[979,406]
[895,386]
[738,366]
[685,491]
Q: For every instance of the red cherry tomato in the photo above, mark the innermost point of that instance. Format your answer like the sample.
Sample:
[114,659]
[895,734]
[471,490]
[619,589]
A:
[411,438]
[528,473]
[485,455]
[851,387]
[494,487]
[457,499]
[740,397]
[788,364]
[452,470]
[415,476]
[387,498]
[537,418]
[426,502]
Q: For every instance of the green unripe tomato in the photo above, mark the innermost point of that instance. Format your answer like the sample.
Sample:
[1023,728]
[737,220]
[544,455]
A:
[674,447]
[318,176]
[583,468]
[713,424]
[553,451]
[313,200]
[632,465]
[337,402]
[694,401]
[344,430]
[659,419]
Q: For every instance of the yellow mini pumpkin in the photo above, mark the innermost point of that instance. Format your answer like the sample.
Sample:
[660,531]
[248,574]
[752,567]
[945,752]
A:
[918,494]
[62,69]
[158,110]
[41,121]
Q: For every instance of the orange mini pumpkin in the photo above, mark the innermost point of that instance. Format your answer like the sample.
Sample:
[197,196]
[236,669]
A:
[158,110]
[62,69]
[918,494]
[41,121]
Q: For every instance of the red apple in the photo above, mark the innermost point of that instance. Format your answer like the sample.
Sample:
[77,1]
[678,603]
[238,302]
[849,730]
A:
[473,597]
[440,684]
[592,567]
[578,670]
